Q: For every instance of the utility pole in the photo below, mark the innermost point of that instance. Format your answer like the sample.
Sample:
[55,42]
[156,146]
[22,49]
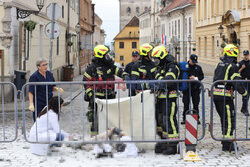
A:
[79,37]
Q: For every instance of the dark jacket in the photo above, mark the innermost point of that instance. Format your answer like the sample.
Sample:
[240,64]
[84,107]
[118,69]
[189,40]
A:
[98,71]
[143,70]
[128,68]
[245,73]
[196,71]
[169,71]
[227,70]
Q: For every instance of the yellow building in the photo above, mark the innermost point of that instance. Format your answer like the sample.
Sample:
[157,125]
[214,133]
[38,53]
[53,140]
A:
[127,41]
[233,18]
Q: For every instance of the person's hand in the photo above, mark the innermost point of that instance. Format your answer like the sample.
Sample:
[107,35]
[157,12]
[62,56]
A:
[243,66]
[192,77]
[59,90]
[123,86]
[31,107]
[71,138]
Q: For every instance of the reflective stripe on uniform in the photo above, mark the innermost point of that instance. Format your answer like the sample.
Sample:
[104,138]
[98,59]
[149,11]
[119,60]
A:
[222,92]
[160,78]
[157,75]
[87,76]
[116,71]
[142,70]
[153,70]
[161,96]
[172,74]
[227,71]
[178,71]
[99,94]
[229,125]
[109,71]
[245,94]
[135,73]
[88,92]
[175,134]
[235,75]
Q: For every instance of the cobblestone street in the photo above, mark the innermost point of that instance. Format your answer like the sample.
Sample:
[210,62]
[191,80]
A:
[18,154]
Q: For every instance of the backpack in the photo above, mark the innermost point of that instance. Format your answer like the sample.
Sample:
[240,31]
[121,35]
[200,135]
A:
[184,66]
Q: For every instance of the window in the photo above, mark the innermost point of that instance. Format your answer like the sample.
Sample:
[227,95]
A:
[172,28]
[175,27]
[205,45]
[179,27]
[190,25]
[121,58]
[213,43]
[199,43]
[205,9]
[121,45]
[137,10]
[128,10]
[134,45]
[239,4]
[62,11]
[57,46]
[199,9]
[212,8]
[169,29]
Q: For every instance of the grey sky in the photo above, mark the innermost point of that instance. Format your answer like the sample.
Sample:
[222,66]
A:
[108,11]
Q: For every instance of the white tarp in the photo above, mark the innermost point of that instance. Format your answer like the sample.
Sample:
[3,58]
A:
[129,117]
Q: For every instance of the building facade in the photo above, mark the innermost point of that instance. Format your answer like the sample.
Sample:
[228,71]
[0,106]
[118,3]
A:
[87,29]
[127,41]
[233,16]
[178,28]
[99,33]
[131,8]
[145,27]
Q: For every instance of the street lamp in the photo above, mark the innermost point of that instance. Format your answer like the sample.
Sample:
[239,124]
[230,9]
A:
[21,13]
[78,28]
[220,28]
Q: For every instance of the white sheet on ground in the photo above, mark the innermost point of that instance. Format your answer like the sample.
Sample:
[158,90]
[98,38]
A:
[133,116]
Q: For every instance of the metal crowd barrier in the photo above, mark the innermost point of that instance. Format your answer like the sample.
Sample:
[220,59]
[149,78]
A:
[81,119]
[8,116]
[237,136]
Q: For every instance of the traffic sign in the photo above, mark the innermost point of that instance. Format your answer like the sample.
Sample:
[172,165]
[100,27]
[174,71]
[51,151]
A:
[57,11]
[49,28]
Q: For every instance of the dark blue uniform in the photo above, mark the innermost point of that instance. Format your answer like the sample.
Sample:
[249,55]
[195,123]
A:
[128,70]
[245,75]
[40,94]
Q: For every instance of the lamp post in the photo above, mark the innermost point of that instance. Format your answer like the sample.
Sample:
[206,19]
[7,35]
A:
[21,13]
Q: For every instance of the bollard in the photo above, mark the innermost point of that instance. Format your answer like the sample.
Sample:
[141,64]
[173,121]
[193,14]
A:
[191,138]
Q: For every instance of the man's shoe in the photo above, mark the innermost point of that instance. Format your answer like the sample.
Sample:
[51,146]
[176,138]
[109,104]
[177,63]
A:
[170,150]
[160,147]
[228,146]
[183,122]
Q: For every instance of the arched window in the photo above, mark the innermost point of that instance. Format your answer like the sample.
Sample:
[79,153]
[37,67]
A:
[128,10]
[137,10]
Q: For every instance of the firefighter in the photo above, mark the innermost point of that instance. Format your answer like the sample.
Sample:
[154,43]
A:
[223,92]
[244,70]
[194,73]
[166,100]
[101,69]
[143,69]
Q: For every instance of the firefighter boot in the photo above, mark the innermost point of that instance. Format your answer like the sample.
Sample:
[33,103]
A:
[227,146]
[171,149]
[160,147]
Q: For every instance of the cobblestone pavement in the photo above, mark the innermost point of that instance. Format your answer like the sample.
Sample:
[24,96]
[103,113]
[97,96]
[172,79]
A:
[18,154]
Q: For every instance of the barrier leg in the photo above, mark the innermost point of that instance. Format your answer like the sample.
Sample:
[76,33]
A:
[191,138]
[236,150]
